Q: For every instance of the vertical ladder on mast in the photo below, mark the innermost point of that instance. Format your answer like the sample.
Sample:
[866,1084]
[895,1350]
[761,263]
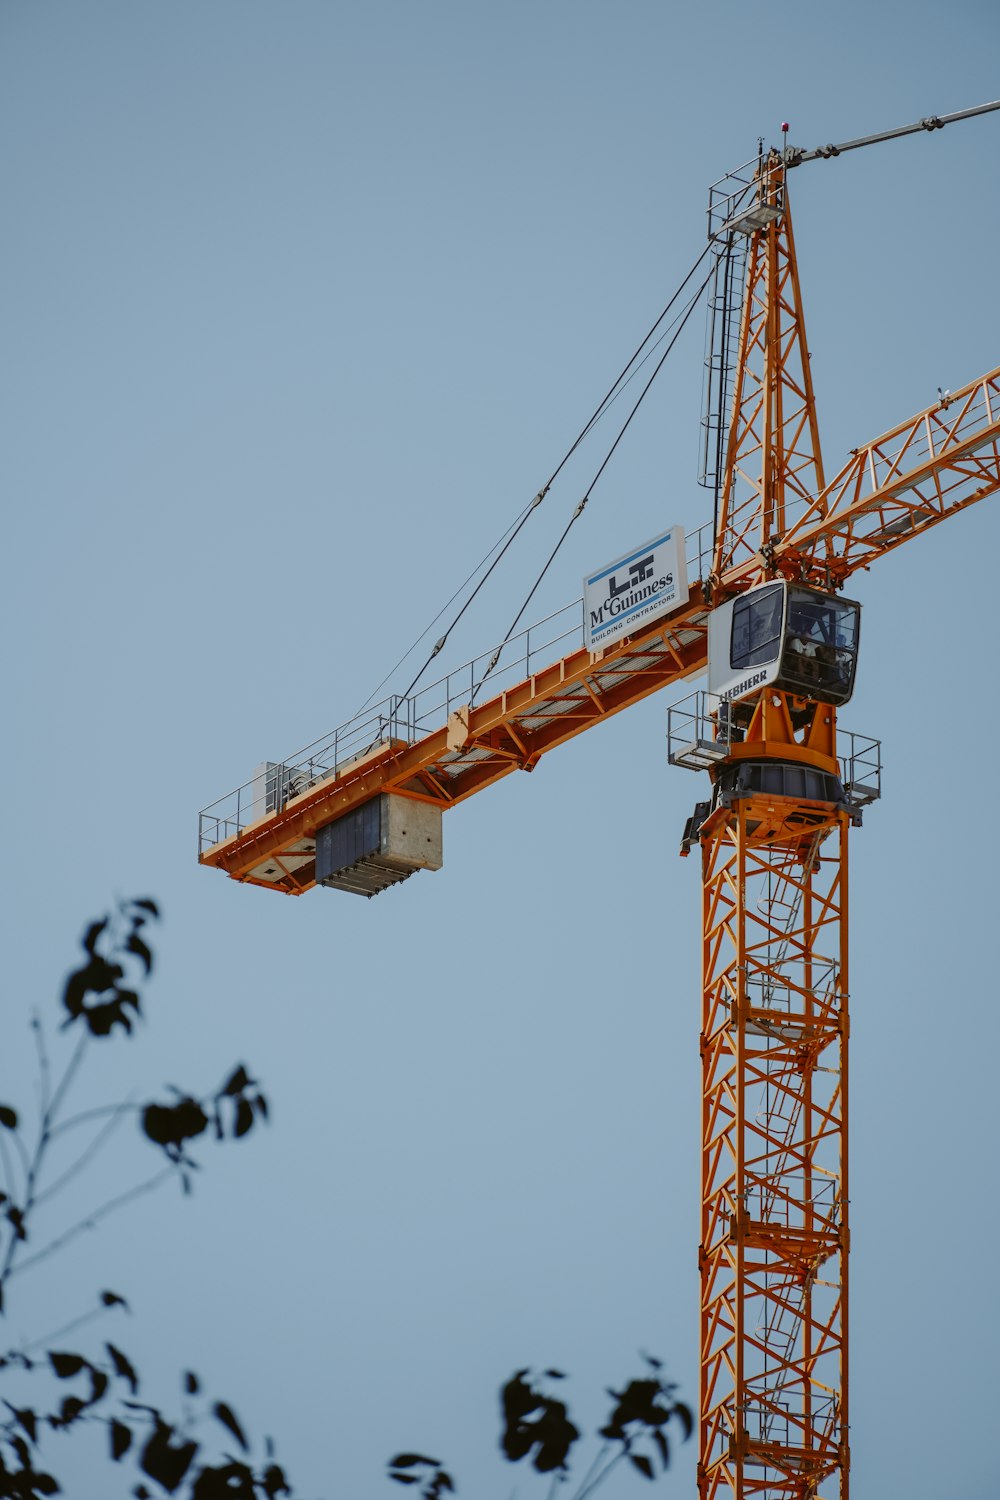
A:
[725,309]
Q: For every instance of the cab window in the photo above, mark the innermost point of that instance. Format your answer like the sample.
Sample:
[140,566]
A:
[756,636]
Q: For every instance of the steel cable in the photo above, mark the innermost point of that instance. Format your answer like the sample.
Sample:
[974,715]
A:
[506,541]
[578,512]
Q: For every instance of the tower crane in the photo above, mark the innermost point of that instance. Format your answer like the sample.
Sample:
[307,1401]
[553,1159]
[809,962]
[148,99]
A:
[763,613]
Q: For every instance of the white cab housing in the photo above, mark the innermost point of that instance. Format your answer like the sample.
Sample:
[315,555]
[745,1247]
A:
[784,635]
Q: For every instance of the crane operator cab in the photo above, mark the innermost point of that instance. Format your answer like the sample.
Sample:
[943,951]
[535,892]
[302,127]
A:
[787,636]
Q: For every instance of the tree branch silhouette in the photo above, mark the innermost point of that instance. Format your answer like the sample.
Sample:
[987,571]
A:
[536,1428]
[101,1000]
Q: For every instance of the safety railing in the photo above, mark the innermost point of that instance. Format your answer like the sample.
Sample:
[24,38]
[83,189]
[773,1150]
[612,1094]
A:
[700,731]
[784,997]
[861,766]
[788,1201]
[787,1422]
[397,719]
[405,719]
[732,195]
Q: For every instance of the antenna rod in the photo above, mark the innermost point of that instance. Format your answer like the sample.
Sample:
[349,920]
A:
[794,156]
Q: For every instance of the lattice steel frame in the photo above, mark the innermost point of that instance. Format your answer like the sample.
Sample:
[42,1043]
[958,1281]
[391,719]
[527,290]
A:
[774,1236]
[774,467]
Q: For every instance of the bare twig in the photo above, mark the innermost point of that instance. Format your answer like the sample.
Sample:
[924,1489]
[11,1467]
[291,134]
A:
[64,1083]
[44,1072]
[57,1333]
[97,1113]
[601,1477]
[91,1220]
[592,1470]
[8,1170]
[116,1112]
[23,1154]
[32,1167]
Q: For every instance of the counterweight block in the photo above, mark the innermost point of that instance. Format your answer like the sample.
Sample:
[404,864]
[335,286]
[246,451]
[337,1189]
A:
[378,844]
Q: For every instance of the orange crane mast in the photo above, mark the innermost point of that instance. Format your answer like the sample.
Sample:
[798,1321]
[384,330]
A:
[766,618]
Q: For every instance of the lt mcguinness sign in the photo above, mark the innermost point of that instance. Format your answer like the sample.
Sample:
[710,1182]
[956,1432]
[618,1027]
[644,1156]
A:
[649,582]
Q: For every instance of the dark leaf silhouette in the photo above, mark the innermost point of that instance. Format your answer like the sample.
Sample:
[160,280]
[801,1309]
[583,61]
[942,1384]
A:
[227,1417]
[191,1384]
[638,1403]
[660,1439]
[518,1399]
[121,1440]
[274,1482]
[123,1367]
[70,1409]
[435,1483]
[686,1417]
[232,1482]
[642,1463]
[112,1299]
[557,1435]
[164,1461]
[136,945]
[8,1117]
[517,1443]
[30,1483]
[244,1117]
[170,1125]
[96,977]
[550,1432]
[145,903]
[239,1080]
[66,1365]
[103,1018]
[92,934]
[27,1419]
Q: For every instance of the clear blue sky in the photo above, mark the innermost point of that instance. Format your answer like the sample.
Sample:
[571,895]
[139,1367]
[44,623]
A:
[300,305]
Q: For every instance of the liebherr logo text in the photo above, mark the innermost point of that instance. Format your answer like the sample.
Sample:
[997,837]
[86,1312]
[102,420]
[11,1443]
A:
[617,602]
[744,686]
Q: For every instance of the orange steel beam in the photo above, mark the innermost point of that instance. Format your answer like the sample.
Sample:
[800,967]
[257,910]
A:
[906,481]
[506,733]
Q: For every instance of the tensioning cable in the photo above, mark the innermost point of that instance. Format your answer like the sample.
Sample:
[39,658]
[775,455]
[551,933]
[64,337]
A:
[506,541]
[578,512]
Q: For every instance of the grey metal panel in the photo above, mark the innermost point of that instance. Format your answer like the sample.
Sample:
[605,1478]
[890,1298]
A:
[378,845]
[355,836]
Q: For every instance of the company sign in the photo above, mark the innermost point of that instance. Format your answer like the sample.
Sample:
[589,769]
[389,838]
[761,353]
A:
[650,581]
